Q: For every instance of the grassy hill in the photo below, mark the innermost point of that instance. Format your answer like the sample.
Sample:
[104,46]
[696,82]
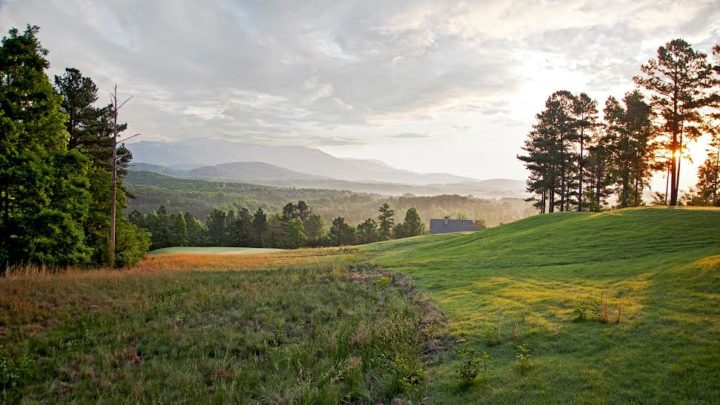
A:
[543,281]
[615,307]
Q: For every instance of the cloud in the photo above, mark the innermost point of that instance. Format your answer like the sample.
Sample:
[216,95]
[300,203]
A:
[348,73]
[410,135]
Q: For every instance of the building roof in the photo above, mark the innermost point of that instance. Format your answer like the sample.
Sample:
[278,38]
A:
[451,225]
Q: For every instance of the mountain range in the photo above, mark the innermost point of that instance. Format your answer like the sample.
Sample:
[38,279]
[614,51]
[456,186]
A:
[302,167]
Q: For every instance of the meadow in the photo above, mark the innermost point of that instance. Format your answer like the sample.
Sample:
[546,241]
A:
[612,307]
[240,328]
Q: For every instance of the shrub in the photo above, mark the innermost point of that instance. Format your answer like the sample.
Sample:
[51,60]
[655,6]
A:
[131,244]
[470,366]
[581,310]
[523,357]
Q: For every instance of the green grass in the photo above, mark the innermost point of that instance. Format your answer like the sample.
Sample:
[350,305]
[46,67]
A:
[313,335]
[212,250]
[528,283]
[615,307]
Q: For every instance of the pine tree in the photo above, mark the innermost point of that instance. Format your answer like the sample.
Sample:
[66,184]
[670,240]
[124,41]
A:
[179,230]
[90,130]
[367,231]
[43,197]
[341,233]
[413,225]
[217,227]
[708,185]
[315,229]
[677,79]
[550,156]
[260,226]
[197,235]
[386,222]
[585,110]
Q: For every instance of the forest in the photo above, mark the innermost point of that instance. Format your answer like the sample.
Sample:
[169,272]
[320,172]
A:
[200,197]
[296,226]
[579,162]
[56,161]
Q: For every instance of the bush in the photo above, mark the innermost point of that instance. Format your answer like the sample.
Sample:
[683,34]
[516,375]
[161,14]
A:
[523,357]
[471,365]
[131,244]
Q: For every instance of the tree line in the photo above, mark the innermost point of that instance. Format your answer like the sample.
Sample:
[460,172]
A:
[578,161]
[296,226]
[56,150]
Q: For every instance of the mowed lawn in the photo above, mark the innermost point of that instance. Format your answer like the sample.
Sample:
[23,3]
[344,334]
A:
[614,307]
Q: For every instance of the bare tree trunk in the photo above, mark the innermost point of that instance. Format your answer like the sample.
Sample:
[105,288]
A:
[113,210]
[580,170]
[716,175]
[667,184]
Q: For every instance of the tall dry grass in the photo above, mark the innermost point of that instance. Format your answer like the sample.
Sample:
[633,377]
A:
[33,296]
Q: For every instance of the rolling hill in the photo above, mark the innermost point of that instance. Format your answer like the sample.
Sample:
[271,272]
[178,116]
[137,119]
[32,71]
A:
[612,307]
[193,153]
[270,175]
[557,284]
[150,190]
[248,172]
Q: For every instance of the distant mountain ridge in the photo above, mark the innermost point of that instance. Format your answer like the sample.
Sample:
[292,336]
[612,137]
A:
[248,171]
[194,153]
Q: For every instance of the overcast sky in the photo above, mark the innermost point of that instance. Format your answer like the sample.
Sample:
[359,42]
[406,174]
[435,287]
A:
[431,86]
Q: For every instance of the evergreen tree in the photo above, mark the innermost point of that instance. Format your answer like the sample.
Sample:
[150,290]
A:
[216,227]
[195,231]
[367,231]
[678,79]
[43,186]
[260,226]
[241,228]
[597,167]
[276,233]
[550,156]
[295,235]
[386,222]
[179,230]
[585,110]
[161,228]
[413,225]
[708,185]
[315,229]
[629,131]
[303,211]
[289,212]
[341,233]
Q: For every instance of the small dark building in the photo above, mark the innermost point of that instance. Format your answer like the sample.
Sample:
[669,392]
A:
[451,225]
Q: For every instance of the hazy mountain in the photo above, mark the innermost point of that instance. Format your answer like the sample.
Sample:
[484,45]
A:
[271,175]
[247,172]
[210,152]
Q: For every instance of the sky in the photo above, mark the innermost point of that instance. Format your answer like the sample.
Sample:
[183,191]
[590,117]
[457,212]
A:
[429,86]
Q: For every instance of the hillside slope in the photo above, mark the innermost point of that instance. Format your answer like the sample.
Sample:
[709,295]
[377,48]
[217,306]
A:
[199,197]
[531,282]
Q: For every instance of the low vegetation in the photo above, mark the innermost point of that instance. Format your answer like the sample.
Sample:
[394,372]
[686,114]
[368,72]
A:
[321,332]
[570,307]
[615,307]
